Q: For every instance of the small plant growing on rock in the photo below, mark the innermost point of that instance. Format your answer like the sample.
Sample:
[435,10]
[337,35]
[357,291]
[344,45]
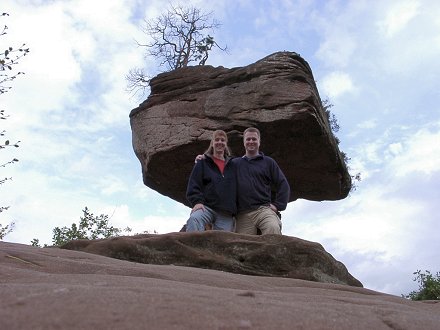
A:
[334,125]
[4,230]
[429,286]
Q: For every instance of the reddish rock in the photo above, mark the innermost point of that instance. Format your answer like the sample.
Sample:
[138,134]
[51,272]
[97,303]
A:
[277,94]
[50,288]
[267,255]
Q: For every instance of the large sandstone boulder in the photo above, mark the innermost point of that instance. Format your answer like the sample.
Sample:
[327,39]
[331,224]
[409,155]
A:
[277,94]
[267,255]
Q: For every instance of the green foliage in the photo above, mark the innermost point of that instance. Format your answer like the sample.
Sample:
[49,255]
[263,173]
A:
[429,286]
[89,227]
[333,121]
[334,125]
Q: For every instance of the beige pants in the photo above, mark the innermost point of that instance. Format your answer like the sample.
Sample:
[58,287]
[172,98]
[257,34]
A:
[263,218]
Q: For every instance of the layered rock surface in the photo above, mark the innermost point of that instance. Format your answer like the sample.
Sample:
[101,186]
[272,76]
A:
[51,288]
[267,255]
[277,94]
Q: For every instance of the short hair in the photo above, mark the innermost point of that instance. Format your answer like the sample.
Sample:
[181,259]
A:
[216,133]
[252,129]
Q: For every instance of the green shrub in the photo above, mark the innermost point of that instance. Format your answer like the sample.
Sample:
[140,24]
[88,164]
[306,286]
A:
[89,227]
[429,286]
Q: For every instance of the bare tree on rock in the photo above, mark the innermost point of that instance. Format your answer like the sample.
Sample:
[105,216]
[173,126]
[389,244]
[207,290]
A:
[177,38]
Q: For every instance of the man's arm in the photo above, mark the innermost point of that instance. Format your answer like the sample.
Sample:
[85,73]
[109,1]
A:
[282,188]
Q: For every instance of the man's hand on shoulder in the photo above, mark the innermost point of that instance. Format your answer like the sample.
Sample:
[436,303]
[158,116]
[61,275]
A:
[199,157]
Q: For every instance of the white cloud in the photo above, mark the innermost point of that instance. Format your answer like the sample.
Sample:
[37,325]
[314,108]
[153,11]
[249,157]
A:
[338,49]
[336,84]
[110,184]
[408,40]
[51,68]
[367,218]
[420,153]
[340,29]
[398,16]
[370,123]
[395,148]
[120,217]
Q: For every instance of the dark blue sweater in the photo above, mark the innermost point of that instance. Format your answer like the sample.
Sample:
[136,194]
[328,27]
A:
[209,187]
[257,178]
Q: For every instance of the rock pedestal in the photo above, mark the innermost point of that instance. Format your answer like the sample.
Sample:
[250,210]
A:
[266,255]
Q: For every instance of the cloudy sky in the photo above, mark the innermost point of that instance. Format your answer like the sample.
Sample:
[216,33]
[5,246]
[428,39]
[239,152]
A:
[376,61]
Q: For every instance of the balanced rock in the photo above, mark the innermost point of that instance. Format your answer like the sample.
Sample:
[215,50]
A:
[267,255]
[277,94]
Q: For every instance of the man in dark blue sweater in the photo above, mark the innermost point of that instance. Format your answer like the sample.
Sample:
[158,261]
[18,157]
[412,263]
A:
[257,175]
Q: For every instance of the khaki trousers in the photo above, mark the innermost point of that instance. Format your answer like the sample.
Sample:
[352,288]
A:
[263,218]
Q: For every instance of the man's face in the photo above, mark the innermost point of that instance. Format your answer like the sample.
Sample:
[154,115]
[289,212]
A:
[251,142]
